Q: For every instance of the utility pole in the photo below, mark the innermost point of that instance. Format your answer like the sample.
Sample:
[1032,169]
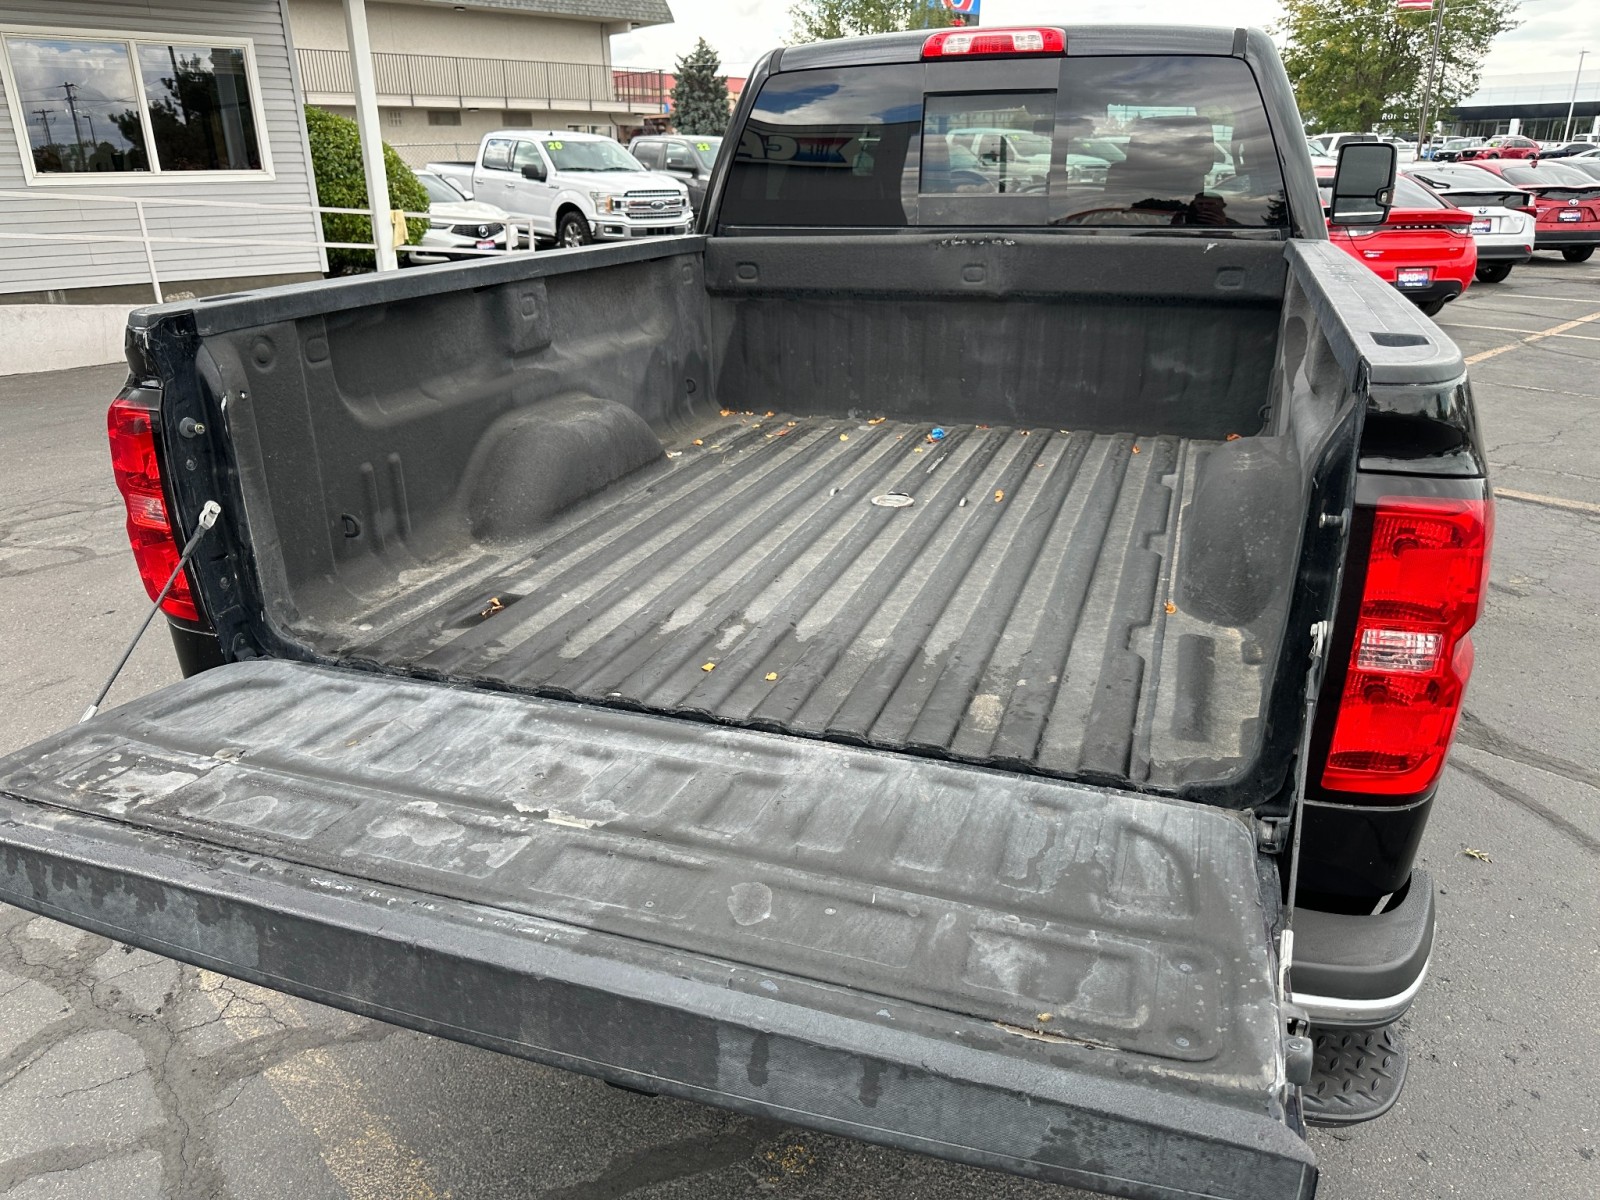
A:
[1567,136]
[71,90]
[1433,67]
[44,119]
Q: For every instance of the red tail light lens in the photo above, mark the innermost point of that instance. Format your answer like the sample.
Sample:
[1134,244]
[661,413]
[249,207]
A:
[1412,656]
[131,425]
[991,43]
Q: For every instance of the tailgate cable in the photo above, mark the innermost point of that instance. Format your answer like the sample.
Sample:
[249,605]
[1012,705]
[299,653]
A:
[1298,1047]
[208,517]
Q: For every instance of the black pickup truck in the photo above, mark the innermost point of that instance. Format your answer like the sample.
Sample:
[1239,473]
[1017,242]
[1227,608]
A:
[910,659]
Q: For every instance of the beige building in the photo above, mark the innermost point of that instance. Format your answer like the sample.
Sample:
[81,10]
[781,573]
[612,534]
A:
[449,72]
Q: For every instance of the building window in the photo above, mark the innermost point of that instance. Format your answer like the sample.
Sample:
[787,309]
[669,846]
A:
[444,116]
[394,118]
[97,105]
[517,118]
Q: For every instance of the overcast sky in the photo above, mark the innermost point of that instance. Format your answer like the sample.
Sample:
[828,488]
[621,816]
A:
[1552,32]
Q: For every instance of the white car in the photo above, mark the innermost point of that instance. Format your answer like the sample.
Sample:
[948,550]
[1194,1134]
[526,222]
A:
[455,224]
[1503,218]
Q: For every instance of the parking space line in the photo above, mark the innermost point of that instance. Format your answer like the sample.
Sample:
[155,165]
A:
[360,1152]
[1553,331]
[1491,328]
[1561,502]
[1537,296]
[1562,328]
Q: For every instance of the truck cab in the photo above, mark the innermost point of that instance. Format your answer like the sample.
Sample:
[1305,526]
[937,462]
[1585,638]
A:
[573,188]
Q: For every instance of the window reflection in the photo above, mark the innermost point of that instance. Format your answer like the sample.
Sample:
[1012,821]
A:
[200,110]
[78,104]
[94,105]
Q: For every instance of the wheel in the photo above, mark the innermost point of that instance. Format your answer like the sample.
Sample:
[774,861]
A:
[573,231]
[1577,253]
[1431,307]
[1493,272]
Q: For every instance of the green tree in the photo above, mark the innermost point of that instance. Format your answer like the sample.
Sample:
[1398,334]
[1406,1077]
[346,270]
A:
[342,183]
[821,20]
[1362,64]
[700,97]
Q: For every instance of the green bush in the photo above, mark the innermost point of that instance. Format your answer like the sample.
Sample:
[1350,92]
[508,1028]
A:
[342,183]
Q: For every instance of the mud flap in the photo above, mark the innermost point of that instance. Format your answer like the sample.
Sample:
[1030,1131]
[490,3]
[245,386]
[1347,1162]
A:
[1065,982]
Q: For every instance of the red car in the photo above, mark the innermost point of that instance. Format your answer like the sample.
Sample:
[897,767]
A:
[1504,146]
[1425,248]
[1567,200]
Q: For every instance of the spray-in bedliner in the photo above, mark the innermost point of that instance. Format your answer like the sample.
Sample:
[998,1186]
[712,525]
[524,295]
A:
[993,594]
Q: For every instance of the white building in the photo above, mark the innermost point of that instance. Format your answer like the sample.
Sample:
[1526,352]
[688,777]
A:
[108,101]
[449,72]
[1533,104]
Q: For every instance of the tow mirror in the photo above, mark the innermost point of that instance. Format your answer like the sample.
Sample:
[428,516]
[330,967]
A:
[534,171]
[1363,184]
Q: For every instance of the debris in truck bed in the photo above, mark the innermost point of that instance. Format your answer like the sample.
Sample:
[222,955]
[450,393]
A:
[1029,628]
[1477,854]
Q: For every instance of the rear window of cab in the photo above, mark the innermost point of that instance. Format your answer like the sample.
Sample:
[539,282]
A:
[1172,142]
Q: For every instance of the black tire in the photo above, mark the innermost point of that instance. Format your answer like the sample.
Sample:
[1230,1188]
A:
[1494,272]
[1577,253]
[1432,307]
[573,230]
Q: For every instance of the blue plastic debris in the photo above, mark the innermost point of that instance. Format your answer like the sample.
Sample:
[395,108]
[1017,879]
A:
[936,434]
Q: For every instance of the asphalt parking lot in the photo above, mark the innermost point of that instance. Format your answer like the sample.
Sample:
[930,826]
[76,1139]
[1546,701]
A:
[124,1074]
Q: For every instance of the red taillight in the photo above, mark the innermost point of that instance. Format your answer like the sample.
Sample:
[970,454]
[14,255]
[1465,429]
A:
[131,425]
[988,43]
[1411,657]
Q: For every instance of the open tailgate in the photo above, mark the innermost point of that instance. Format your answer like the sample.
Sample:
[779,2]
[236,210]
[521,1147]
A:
[1061,981]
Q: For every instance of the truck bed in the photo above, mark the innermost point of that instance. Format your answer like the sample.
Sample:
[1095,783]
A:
[999,594]
[734,509]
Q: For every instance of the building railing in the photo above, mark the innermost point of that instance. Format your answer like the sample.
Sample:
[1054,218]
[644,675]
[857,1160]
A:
[639,88]
[508,82]
[520,235]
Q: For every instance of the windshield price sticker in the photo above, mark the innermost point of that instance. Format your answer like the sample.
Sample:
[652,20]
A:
[703,147]
[554,145]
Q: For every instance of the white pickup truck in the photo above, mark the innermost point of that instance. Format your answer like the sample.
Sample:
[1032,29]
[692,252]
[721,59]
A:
[572,188]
